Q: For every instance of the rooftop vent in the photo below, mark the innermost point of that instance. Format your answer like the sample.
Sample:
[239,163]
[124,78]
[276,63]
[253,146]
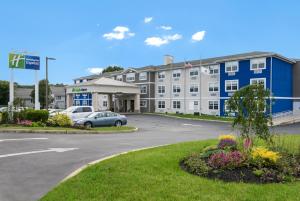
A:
[168,59]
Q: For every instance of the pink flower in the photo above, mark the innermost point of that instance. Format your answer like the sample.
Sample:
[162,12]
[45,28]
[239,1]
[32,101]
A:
[247,143]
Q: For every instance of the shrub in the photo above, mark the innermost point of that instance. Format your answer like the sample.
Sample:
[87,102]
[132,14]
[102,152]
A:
[264,156]
[227,144]
[35,115]
[196,165]
[60,120]
[226,160]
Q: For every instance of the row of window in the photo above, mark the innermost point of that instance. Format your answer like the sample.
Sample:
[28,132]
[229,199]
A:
[212,105]
[161,89]
[130,77]
[233,85]
[255,65]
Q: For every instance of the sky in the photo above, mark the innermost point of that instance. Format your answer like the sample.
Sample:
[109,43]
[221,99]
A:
[86,36]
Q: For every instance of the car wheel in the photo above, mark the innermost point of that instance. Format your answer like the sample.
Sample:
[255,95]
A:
[118,123]
[88,125]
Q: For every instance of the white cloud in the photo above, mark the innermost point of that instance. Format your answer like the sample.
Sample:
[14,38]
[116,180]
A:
[119,33]
[95,70]
[159,41]
[198,36]
[167,28]
[148,20]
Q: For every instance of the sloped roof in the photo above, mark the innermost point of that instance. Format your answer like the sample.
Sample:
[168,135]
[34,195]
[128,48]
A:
[103,81]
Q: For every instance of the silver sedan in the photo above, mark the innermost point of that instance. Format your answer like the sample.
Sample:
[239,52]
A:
[98,119]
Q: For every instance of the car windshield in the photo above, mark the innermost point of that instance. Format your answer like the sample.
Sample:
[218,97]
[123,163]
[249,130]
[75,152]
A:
[93,115]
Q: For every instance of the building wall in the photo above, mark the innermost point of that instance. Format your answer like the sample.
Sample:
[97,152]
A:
[282,86]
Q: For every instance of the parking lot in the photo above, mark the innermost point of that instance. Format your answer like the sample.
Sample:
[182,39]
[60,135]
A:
[32,164]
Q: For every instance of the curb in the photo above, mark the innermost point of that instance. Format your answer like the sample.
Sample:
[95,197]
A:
[210,120]
[65,131]
[76,172]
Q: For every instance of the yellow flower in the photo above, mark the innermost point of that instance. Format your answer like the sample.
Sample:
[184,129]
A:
[261,152]
[227,137]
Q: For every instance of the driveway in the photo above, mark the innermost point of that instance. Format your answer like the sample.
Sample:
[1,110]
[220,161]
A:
[32,164]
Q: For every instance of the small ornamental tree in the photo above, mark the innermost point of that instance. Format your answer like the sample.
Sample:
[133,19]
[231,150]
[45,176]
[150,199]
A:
[250,105]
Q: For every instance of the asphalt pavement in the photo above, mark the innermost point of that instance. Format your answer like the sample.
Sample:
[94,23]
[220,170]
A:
[32,164]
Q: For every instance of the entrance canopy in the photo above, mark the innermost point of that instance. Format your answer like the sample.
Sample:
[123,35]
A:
[122,96]
[105,86]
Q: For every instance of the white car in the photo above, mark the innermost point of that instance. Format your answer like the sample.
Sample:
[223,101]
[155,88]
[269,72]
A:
[78,112]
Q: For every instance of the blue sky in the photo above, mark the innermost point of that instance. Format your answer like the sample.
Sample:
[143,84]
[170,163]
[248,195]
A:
[85,35]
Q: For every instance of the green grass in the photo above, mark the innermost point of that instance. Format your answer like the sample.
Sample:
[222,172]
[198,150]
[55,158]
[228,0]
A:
[100,129]
[200,117]
[155,175]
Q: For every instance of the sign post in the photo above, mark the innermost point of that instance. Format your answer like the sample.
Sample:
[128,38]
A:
[22,61]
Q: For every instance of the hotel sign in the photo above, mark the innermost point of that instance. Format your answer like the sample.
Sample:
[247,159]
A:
[22,61]
[79,90]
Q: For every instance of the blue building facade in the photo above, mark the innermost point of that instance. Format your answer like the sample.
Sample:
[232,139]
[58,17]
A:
[276,74]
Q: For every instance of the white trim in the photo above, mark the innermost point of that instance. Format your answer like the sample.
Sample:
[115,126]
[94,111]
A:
[177,85]
[141,83]
[161,86]
[258,61]
[176,104]
[146,76]
[231,64]
[214,67]
[127,76]
[194,70]
[198,87]
[144,106]
[163,104]
[231,85]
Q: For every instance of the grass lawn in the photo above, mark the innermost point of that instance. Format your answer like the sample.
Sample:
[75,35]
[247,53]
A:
[155,175]
[100,129]
[202,117]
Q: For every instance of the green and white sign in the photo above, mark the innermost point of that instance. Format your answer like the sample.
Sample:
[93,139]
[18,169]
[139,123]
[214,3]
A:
[16,61]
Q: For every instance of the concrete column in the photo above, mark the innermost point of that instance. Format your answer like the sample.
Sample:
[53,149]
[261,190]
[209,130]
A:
[95,101]
[110,102]
[137,103]
[69,100]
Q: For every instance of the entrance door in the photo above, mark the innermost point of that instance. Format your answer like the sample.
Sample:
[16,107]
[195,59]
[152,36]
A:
[132,105]
[125,105]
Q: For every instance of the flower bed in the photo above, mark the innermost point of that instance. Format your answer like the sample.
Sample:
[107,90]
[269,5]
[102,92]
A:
[241,161]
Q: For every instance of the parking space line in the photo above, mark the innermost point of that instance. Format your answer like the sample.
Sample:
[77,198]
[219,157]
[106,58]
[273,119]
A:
[58,150]
[22,139]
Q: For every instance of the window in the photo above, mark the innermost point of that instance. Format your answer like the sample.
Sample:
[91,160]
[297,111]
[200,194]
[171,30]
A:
[86,109]
[258,64]
[213,105]
[143,103]
[143,76]
[232,67]
[226,106]
[258,81]
[58,98]
[144,89]
[194,72]
[176,89]
[161,104]
[85,103]
[176,73]
[119,78]
[213,87]
[194,88]
[104,103]
[214,70]
[231,85]
[161,75]
[130,77]
[176,104]
[161,89]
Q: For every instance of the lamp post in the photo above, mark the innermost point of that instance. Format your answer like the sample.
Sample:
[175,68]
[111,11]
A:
[47,58]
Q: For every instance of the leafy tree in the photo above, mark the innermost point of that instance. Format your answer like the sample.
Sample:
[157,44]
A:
[4,92]
[250,105]
[42,94]
[112,69]
[19,102]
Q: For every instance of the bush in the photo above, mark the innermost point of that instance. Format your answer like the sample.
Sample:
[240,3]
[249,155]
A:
[226,160]
[26,123]
[196,165]
[264,157]
[60,120]
[228,144]
[35,115]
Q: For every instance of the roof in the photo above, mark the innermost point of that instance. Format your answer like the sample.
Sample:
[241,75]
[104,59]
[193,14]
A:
[23,93]
[103,81]
[207,61]
[58,90]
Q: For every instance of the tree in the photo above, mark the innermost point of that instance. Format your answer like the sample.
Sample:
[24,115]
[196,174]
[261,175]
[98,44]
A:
[4,92]
[112,69]
[42,94]
[19,102]
[250,105]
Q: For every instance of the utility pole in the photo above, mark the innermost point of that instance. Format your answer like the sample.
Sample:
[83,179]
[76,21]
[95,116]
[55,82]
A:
[46,101]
